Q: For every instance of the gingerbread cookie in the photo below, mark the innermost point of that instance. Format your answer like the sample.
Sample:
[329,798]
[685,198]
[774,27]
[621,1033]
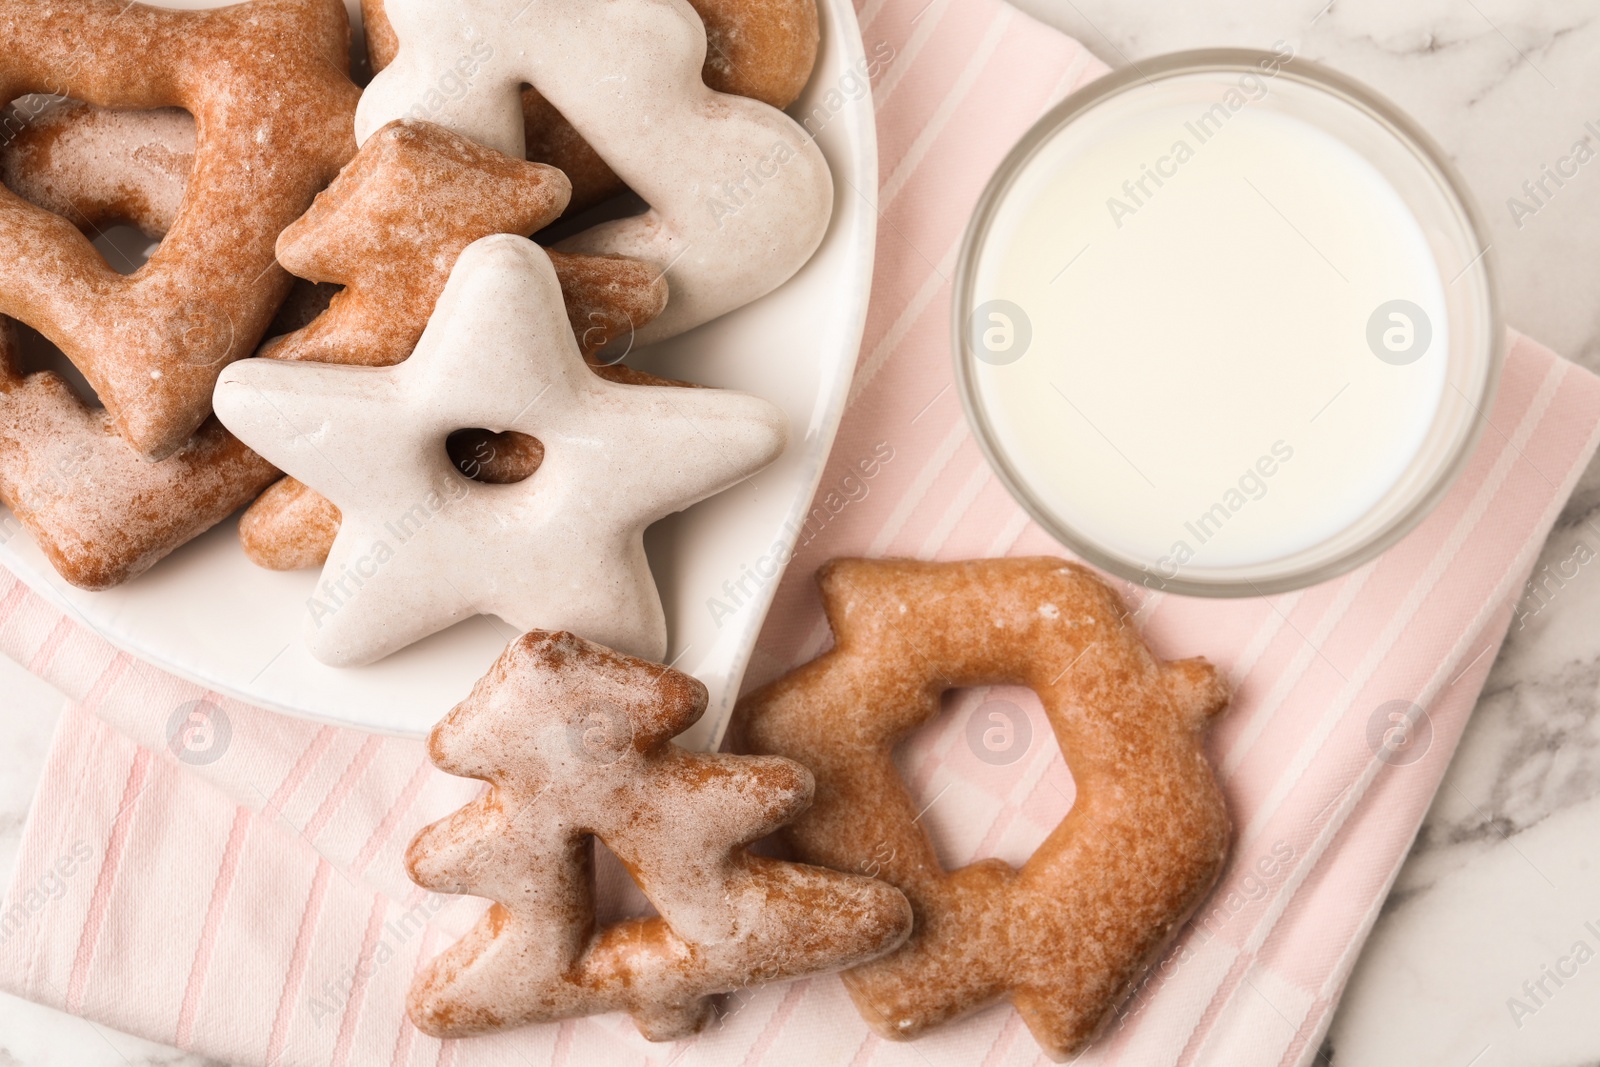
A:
[267,82]
[291,526]
[739,195]
[390,228]
[564,548]
[574,740]
[1068,935]
[96,168]
[763,49]
[386,231]
[101,513]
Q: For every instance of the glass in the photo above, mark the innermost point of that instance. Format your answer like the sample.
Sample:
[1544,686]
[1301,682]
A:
[1430,189]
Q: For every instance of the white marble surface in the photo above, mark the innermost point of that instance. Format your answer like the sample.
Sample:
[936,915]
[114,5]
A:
[1506,871]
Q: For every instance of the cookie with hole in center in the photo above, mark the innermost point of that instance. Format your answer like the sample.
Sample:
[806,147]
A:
[564,548]
[267,83]
[1066,936]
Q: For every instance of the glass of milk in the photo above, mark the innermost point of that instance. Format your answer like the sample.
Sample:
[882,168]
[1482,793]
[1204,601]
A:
[1226,323]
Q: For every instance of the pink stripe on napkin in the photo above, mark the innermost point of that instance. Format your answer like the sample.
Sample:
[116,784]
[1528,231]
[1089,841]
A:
[255,909]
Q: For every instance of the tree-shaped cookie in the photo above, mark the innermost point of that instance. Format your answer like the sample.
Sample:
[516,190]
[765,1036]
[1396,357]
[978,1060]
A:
[575,741]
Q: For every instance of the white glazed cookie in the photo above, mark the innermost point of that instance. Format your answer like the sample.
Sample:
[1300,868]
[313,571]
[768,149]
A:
[739,195]
[574,741]
[421,546]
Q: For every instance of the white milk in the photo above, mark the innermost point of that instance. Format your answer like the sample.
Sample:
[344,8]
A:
[1182,374]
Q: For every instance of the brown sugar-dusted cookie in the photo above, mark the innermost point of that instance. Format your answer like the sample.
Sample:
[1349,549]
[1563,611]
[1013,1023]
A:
[267,82]
[392,225]
[574,740]
[101,512]
[96,167]
[763,49]
[1068,935]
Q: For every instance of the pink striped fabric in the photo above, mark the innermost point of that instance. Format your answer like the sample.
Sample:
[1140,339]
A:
[254,909]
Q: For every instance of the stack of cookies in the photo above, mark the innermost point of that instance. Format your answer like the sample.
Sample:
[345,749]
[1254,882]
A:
[347,330]
[344,292]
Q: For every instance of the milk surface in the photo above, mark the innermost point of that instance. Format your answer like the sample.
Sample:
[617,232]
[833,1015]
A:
[1209,334]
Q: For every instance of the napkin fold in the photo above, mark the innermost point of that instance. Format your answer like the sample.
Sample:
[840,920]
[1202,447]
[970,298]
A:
[239,892]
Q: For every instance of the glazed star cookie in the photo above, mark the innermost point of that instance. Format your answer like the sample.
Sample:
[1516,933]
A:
[388,230]
[739,196]
[291,527]
[384,233]
[574,740]
[1067,936]
[763,49]
[101,513]
[420,545]
[267,82]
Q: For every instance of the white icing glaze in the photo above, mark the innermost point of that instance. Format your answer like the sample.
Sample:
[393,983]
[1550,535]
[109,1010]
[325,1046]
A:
[422,547]
[740,197]
[574,741]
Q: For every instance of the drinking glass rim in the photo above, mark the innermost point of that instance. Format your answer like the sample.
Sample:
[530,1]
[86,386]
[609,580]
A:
[1226,60]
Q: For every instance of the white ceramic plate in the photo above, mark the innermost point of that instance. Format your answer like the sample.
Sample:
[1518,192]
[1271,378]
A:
[207,614]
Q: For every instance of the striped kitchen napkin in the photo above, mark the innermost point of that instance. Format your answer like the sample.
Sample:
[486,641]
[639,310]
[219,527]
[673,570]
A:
[241,894]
